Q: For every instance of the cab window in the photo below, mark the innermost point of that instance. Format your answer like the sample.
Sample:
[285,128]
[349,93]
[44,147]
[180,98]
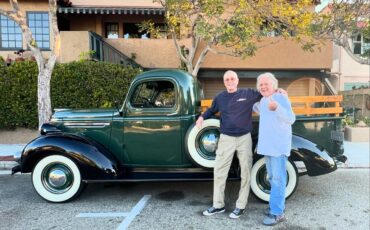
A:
[154,94]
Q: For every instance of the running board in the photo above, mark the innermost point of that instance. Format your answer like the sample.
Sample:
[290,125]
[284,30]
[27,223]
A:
[163,176]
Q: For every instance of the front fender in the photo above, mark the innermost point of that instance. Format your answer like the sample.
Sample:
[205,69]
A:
[315,158]
[94,160]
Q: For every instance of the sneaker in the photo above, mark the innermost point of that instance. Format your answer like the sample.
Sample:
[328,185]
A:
[266,211]
[212,210]
[273,219]
[236,213]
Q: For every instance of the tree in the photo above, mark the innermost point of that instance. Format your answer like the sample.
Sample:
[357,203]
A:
[240,26]
[237,25]
[45,65]
[366,35]
[343,20]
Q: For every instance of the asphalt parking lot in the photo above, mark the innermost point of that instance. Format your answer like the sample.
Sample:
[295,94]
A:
[339,200]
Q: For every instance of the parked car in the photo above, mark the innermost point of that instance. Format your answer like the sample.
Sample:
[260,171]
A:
[152,137]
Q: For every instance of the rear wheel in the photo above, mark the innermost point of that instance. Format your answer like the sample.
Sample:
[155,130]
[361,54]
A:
[261,186]
[57,179]
[201,144]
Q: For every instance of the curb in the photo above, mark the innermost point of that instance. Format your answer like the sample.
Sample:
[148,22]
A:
[7,165]
[351,166]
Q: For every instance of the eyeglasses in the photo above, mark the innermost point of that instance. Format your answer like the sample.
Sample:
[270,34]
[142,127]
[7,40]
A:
[229,79]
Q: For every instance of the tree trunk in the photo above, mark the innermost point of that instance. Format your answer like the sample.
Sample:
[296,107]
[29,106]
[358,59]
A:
[43,94]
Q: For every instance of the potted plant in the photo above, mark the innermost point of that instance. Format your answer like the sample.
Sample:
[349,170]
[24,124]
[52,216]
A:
[356,131]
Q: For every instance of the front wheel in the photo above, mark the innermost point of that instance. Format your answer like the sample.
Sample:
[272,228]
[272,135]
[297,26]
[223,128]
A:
[57,179]
[201,144]
[261,186]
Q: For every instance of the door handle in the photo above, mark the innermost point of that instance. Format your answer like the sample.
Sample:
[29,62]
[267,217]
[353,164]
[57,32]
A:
[171,114]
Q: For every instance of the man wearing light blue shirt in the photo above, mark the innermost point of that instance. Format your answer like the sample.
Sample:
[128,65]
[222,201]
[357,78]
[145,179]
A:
[274,142]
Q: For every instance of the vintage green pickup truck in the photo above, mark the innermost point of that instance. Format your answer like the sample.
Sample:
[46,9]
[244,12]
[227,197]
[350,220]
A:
[152,137]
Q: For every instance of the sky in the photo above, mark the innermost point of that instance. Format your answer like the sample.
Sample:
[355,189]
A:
[322,5]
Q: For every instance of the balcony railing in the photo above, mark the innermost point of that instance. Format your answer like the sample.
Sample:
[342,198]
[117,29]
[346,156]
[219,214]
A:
[107,53]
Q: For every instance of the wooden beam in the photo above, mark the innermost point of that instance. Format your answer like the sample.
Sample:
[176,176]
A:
[306,105]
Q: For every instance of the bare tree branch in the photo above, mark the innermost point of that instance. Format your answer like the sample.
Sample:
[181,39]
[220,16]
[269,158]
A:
[200,60]
[177,46]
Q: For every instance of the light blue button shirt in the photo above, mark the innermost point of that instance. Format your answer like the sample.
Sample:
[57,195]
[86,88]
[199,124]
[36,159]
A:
[275,127]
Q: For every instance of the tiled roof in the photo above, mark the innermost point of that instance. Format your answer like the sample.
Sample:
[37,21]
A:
[111,10]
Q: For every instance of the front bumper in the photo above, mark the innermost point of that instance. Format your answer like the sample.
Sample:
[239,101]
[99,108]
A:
[16,169]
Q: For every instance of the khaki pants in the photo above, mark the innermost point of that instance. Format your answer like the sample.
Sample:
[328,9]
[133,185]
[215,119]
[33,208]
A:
[227,145]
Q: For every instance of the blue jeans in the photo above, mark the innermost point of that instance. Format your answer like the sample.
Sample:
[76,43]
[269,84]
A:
[276,170]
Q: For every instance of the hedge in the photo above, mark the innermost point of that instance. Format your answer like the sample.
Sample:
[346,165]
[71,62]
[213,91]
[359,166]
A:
[73,85]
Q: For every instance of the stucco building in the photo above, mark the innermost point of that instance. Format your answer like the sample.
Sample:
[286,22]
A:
[110,29]
[347,73]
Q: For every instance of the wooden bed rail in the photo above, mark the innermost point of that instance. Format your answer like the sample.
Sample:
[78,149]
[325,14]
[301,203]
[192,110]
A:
[306,105]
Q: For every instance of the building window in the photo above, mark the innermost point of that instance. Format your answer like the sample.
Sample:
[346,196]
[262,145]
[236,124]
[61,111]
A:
[272,30]
[360,44]
[38,22]
[10,34]
[111,30]
[131,30]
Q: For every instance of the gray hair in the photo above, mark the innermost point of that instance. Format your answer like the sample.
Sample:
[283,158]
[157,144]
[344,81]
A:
[269,76]
[230,72]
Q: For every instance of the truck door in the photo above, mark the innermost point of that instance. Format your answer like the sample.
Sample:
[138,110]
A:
[152,128]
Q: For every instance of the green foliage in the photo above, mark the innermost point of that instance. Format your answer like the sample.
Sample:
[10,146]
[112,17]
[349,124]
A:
[148,26]
[347,121]
[86,56]
[18,106]
[73,85]
[365,119]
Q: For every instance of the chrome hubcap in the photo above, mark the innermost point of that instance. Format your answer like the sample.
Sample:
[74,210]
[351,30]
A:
[210,142]
[57,178]
[206,143]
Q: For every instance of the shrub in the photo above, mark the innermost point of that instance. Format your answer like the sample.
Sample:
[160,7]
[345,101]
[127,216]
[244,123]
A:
[73,85]
[18,89]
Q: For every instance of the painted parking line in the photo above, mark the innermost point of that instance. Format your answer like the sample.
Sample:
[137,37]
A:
[134,212]
[129,216]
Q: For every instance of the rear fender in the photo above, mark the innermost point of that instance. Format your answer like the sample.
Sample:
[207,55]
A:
[315,158]
[94,160]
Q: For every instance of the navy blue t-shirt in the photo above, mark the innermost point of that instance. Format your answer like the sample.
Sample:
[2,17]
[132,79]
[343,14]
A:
[235,110]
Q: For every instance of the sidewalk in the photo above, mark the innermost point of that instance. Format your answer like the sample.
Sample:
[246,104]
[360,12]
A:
[357,153]
[7,153]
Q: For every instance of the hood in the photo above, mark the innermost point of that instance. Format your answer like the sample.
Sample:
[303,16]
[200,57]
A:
[83,114]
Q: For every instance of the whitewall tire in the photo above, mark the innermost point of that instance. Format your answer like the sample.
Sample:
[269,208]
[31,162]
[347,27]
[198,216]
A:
[259,181]
[201,144]
[57,179]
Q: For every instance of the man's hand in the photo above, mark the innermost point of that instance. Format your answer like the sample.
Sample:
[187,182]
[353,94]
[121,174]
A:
[199,122]
[282,91]
[272,104]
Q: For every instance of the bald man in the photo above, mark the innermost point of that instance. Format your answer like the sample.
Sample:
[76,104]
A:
[235,107]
